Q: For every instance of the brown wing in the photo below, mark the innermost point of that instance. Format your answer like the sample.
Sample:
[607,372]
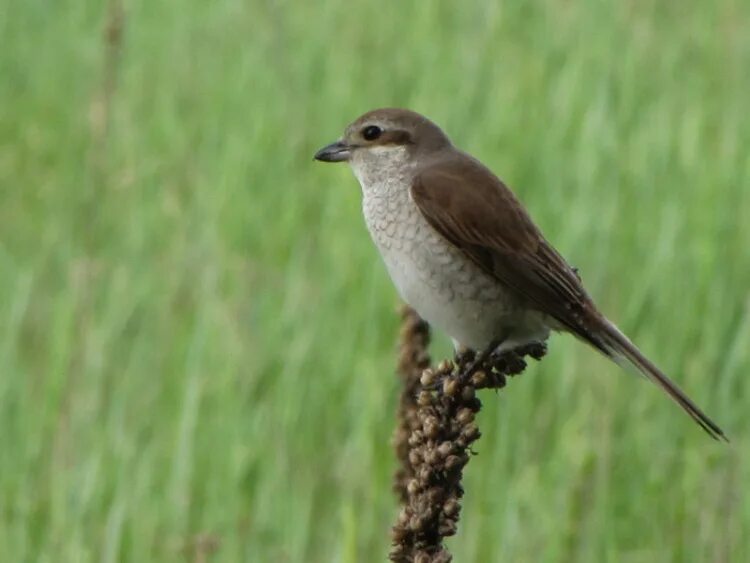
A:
[476,212]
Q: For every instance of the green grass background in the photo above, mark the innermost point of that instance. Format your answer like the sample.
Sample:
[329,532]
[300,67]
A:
[197,335]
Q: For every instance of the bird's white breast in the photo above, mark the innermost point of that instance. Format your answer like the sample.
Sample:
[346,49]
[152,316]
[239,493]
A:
[433,276]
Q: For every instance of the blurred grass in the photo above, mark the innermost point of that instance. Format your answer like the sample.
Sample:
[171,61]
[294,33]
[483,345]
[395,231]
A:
[196,334]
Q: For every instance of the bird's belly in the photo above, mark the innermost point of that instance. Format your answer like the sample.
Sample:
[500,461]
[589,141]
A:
[451,292]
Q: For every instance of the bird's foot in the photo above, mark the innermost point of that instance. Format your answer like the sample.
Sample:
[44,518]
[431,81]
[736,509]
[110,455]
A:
[487,369]
[478,361]
[536,350]
[513,362]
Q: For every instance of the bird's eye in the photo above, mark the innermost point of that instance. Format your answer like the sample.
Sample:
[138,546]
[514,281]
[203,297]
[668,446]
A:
[371,132]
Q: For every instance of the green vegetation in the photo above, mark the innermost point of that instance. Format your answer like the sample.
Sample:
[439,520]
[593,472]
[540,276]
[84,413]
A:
[197,336]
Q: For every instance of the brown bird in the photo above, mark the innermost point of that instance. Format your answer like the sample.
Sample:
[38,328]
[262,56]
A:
[461,249]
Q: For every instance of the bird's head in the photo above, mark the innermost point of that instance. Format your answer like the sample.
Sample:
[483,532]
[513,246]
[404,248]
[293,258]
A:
[385,138]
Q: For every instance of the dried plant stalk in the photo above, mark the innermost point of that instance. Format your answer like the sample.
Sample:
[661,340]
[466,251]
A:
[413,360]
[435,430]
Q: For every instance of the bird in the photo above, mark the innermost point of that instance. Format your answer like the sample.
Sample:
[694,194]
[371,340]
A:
[462,250]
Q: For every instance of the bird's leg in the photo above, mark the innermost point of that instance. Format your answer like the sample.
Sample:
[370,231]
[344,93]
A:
[467,359]
[480,359]
[462,355]
[495,362]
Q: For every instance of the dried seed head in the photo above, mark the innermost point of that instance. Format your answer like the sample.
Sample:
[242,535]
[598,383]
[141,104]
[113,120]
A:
[431,456]
[431,427]
[445,366]
[453,462]
[499,381]
[435,494]
[445,449]
[451,507]
[437,423]
[424,473]
[399,535]
[475,404]
[442,556]
[447,528]
[465,416]
[412,487]
[424,398]
[479,378]
[416,438]
[470,433]
[450,386]
[421,357]
[403,517]
[427,377]
[415,457]
[468,393]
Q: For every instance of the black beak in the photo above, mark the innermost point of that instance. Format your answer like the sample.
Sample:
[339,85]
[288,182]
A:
[335,152]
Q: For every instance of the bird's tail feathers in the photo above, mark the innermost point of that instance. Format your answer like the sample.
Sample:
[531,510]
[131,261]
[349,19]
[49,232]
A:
[622,351]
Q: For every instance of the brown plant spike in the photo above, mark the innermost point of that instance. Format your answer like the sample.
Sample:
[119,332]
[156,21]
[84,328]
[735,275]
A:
[436,428]
[413,359]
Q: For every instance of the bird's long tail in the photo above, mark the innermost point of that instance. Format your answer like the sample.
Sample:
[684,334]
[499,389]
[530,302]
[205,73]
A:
[619,348]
